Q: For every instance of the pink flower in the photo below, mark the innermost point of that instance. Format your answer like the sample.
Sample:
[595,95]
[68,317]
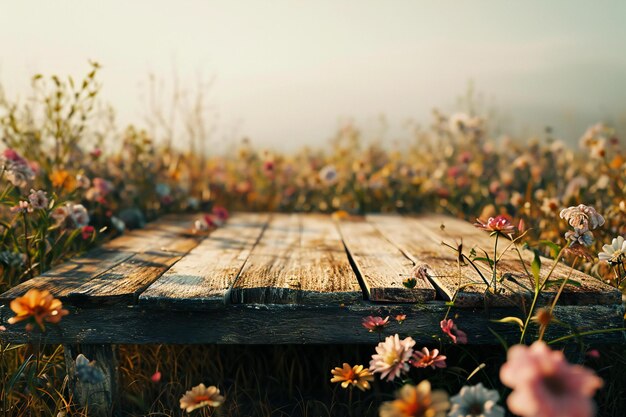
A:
[22,207]
[221,213]
[427,358]
[392,357]
[499,224]
[449,328]
[38,199]
[375,324]
[156,377]
[545,385]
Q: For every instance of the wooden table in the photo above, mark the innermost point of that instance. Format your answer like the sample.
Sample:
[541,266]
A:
[296,278]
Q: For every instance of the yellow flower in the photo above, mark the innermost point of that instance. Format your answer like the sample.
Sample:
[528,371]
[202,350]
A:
[416,401]
[40,305]
[63,179]
[352,376]
[340,215]
[201,396]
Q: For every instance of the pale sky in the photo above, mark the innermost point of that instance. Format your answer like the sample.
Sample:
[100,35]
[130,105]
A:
[288,73]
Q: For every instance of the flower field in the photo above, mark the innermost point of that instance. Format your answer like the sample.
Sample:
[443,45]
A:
[71,179]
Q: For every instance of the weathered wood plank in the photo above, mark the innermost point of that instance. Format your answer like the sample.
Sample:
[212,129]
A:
[419,240]
[381,265]
[126,280]
[299,259]
[299,324]
[203,276]
[590,291]
[69,276]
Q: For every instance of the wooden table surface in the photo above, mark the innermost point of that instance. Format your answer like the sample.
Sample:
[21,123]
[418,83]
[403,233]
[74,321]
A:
[289,278]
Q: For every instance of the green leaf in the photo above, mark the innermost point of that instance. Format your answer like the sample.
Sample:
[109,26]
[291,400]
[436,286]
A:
[536,267]
[559,281]
[485,259]
[554,248]
[511,319]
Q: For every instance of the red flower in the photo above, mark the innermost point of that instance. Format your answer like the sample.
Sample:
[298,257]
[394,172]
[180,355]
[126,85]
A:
[87,232]
[449,328]
[156,377]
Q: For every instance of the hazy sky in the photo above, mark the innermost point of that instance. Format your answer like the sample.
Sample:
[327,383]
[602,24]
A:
[288,72]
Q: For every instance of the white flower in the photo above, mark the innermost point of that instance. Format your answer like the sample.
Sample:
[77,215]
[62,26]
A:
[71,216]
[582,217]
[392,357]
[614,252]
[38,199]
[476,401]
[328,174]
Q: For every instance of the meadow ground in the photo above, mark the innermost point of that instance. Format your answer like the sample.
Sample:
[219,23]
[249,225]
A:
[71,179]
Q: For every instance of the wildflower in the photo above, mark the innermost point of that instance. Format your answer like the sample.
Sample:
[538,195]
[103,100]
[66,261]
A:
[545,385]
[615,252]
[39,305]
[95,153]
[328,174]
[582,217]
[449,328]
[580,236]
[38,199]
[63,179]
[416,401]
[392,357]
[156,377]
[549,206]
[476,401]
[100,188]
[87,371]
[221,213]
[593,353]
[87,232]
[17,169]
[543,317]
[400,318]
[375,324]
[71,216]
[268,167]
[22,207]
[201,396]
[204,224]
[83,181]
[340,215]
[425,358]
[499,224]
[354,376]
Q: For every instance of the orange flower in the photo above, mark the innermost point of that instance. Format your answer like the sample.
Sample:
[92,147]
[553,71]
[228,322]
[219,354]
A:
[352,376]
[201,396]
[416,401]
[40,305]
[63,179]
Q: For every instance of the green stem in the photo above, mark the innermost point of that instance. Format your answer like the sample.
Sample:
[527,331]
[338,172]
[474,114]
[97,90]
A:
[538,290]
[26,248]
[589,333]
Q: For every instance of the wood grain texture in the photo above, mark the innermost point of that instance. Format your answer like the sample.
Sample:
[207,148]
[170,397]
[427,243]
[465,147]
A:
[590,291]
[71,275]
[300,324]
[420,240]
[381,265]
[126,280]
[299,259]
[202,278]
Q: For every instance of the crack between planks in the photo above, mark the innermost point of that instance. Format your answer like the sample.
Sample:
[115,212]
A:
[228,293]
[353,265]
